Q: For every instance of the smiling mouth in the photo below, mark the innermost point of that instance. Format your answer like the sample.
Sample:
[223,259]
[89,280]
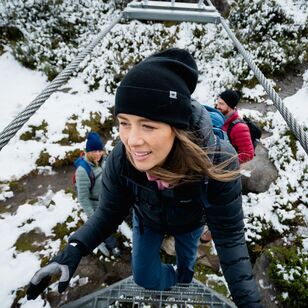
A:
[139,156]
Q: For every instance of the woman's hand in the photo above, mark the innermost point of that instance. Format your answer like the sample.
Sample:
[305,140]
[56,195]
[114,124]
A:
[64,263]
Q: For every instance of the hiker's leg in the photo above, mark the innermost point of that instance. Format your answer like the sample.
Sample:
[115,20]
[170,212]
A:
[148,271]
[111,242]
[186,246]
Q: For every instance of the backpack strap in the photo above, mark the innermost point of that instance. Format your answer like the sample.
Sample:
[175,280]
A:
[84,164]
[232,124]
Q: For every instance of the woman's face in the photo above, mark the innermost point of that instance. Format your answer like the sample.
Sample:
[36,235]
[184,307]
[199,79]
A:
[148,142]
[95,156]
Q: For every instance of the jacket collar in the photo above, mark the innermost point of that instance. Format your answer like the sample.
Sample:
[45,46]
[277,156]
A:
[201,124]
[231,118]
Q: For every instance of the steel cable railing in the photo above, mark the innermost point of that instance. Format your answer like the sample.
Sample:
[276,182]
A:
[296,128]
[11,129]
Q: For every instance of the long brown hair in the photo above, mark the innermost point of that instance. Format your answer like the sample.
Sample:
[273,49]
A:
[189,162]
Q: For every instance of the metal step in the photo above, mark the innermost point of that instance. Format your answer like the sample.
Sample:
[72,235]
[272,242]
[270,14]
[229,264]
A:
[171,11]
[126,293]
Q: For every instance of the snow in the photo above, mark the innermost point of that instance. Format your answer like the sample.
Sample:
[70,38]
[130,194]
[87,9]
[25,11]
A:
[298,106]
[18,157]
[26,82]
[297,10]
[19,86]
[42,216]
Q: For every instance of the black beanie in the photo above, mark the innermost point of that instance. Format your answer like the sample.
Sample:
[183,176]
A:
[230,97]
[159,88]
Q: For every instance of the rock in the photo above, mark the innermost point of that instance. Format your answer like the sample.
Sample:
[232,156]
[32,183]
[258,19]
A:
[263,172]
[168,245]
[267,291]
[204,255]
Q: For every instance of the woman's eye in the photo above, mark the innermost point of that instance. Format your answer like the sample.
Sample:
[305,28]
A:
[149,127]
[122,123]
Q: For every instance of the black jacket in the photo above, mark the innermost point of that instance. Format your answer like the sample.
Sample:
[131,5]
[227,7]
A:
[180,209]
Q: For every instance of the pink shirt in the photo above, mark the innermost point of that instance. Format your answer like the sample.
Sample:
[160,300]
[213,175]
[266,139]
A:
[160,184]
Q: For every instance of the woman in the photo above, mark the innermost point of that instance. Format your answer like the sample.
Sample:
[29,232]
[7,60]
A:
[89,185]
[175,174]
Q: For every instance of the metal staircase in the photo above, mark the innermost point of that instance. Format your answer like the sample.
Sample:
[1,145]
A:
[126,293]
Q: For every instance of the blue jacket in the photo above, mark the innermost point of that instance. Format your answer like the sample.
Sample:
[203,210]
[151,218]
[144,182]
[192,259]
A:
[179,209]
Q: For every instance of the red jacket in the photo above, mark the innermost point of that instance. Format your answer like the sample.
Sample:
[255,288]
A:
[240,138]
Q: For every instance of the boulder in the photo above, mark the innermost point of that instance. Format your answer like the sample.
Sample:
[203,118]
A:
[267,291]
[204,255]
[262,172]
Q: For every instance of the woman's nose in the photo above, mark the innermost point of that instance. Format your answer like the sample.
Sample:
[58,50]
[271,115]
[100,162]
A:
[134,138]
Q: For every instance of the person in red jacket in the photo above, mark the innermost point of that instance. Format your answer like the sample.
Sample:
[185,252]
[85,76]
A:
[239,134]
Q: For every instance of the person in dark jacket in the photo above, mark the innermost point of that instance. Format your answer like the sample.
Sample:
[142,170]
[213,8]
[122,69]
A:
[87,192]
[175,174]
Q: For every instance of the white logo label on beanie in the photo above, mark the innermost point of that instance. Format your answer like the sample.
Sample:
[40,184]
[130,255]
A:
[173,94]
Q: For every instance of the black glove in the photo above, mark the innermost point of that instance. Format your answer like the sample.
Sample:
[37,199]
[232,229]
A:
[65,263]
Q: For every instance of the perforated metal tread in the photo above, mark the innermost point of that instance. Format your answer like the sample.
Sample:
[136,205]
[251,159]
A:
[126,293]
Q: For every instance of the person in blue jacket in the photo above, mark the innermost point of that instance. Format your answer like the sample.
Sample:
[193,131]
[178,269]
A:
[175,174]
[89,185]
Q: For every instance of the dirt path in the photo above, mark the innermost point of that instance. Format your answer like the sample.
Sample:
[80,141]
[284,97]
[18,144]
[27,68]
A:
[30,187]
[287,85]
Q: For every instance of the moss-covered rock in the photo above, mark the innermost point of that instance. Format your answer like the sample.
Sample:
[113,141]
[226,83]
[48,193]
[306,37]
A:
[31,241]
[72,133]
[16,186]
[19,294]
[34,131]
[62,230]
[43,159]
[210,278]
[68,160]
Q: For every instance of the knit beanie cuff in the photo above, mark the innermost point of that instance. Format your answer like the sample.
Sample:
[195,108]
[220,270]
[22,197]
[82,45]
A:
[152,104]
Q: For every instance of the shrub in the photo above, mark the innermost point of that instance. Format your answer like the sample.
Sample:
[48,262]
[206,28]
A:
[275,41]
[36,132]
[45,34]
[289,272]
